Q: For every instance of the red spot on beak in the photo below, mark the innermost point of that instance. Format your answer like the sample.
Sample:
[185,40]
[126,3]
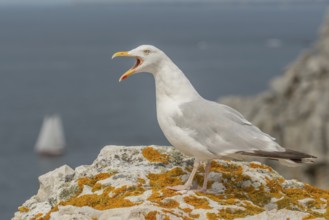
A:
[124,77]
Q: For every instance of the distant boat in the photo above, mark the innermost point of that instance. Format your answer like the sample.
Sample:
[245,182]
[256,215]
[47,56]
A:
[51,140]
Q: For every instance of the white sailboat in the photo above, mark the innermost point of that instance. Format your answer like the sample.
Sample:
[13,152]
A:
[51,140]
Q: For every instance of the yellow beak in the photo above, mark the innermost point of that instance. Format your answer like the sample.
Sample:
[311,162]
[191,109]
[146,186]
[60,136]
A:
[121,54]
[131,70]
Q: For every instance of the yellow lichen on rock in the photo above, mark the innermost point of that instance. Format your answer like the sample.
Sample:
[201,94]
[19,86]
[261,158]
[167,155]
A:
[232,173]
[229,213]
[91,181]
[189,212]
[96,187]
[168,178]
[249,207]
[197,202]
[141,181]
[155,156]
[225,168]
[169,204]
[103,201]
[199,179]
[23,209]
[151,215]
[158,196]
[139,187]
[47,216]
[318,198]
[38,215]
[260,166]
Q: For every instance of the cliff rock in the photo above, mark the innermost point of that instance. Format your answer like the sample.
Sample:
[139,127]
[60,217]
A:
[295,110]
[130,183]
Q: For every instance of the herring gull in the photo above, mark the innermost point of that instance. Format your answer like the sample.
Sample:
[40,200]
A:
[200,128]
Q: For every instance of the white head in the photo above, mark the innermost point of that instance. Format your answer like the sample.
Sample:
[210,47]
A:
[147,57]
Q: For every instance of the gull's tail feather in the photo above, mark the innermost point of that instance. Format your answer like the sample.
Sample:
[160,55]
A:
[287,157]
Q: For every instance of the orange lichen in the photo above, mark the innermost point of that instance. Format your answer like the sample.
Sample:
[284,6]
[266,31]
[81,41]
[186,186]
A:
[47,216]
[119,191]
[128,191]
[309,217]
[293,195]
[260,197]
[37,216]
[225,168]
[169,178]
[152,215]
[239,191]
[194,216]
[188,211]
[229,213]
[153,155]
[102,201]
[158,196]
[234,181]
[216,198]
[91,181]
[102,176]
[260,166]
[198,203]
[141,181]
[231,173]
[199,180]
[172,212]
[169,204]
[96,187]
[23,209]
[275,186]
[211,216]
[250,208]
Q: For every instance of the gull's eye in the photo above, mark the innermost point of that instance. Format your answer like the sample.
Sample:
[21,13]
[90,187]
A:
[147,52]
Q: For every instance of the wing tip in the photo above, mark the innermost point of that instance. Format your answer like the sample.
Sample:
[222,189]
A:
[288,157]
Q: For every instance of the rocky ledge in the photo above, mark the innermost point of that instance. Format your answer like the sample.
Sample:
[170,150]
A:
[130,183]
[295,109]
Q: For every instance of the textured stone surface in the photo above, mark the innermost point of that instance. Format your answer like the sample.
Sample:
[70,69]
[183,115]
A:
[130,183]
[295,110]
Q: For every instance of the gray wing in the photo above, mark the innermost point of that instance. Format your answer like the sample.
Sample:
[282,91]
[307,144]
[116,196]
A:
[222,129]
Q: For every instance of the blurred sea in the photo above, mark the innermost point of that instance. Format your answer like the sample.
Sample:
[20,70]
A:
[58,60]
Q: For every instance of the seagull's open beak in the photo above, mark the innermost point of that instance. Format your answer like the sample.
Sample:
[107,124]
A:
[132,70]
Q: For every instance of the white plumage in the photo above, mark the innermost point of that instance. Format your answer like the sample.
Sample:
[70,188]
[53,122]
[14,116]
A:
[198,127]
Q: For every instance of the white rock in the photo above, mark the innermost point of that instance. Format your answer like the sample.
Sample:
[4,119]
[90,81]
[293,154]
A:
[130,183]
[52,181]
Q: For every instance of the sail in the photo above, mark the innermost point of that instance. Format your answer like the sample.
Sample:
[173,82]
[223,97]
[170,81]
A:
[51,140]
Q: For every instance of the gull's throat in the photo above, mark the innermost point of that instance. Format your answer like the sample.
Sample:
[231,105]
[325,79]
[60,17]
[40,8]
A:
[138,62]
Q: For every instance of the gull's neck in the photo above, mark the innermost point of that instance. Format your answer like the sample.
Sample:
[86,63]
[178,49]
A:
[171,83]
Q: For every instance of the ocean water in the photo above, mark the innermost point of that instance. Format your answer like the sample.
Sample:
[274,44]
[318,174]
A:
[58,60]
